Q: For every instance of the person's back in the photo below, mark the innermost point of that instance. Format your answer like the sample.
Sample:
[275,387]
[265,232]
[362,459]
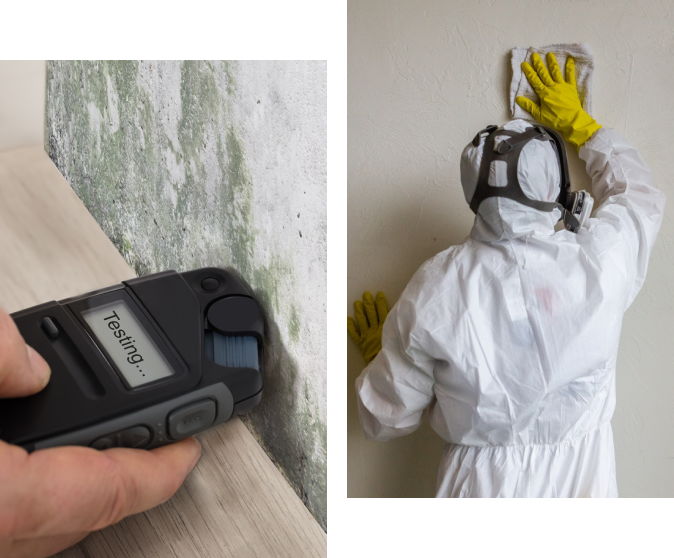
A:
[512,337]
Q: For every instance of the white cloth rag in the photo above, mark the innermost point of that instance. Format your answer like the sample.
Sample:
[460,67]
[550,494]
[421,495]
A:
[519,86]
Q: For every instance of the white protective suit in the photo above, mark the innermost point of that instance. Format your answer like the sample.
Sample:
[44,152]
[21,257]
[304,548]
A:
[511,337]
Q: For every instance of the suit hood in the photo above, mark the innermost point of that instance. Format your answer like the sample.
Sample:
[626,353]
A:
[539,175]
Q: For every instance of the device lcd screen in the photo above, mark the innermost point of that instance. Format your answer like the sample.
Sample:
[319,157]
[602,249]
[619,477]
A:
[127,343]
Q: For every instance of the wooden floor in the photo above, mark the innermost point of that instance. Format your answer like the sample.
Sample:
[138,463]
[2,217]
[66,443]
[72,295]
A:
[235,502]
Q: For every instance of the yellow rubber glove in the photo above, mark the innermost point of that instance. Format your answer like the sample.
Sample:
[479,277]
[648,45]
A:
[560,106]
[366,329]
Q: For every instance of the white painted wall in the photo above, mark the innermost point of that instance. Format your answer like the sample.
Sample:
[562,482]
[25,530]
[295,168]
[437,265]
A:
[22,93]
[423,78]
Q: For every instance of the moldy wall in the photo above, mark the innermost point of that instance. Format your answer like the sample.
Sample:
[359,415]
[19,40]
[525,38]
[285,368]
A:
[193,164]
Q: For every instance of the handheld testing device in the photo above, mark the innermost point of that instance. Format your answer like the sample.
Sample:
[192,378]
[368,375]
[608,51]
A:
[140,364]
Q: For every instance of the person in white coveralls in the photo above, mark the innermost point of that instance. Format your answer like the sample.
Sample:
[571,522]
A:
[511,338]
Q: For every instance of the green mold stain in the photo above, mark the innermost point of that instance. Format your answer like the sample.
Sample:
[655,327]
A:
[294,325]
[302,435]
[127,251]
[163,207]
[291,446]
[231,83]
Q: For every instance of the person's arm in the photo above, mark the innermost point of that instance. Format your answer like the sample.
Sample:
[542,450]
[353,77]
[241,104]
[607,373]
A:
[52,498]
[630,207]
[397,385]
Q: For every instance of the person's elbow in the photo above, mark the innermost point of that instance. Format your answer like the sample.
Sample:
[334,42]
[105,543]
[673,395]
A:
[386,427]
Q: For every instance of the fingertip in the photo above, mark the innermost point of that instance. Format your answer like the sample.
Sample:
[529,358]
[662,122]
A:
[22,370]
[192,447]
[197,449]
[192,443]
[529,71]
[198,444]
[523,102]
[382,306]
[352,330]
[39,366]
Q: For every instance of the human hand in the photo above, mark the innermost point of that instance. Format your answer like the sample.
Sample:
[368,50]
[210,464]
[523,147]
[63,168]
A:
[560,106]
[52,498]
[366,329]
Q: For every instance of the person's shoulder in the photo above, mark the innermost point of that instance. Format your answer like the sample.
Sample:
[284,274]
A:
[436,272]
[448,259]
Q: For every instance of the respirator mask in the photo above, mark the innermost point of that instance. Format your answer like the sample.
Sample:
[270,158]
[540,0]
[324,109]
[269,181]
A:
[575,206]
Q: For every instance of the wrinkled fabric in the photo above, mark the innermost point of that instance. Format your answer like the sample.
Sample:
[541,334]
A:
[520,86]
[511,338]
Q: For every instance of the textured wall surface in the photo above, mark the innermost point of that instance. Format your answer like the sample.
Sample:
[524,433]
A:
[423,78]
[193,164]
[21,103]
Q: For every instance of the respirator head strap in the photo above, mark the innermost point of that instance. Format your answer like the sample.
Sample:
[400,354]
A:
[488,130]
[575,207]
[506,146]
[510,155]
[560,150]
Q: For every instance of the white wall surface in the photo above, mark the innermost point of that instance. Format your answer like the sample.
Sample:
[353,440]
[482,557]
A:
[22,93]
[423,78]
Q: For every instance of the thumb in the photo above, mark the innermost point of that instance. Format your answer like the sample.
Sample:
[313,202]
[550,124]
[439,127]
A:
[22,370]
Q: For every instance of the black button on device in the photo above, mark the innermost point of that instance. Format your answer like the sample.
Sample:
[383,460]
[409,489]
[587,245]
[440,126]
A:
[237,315]
[210,284]
[105,442]
[50,328]
[191,418]
[136,437]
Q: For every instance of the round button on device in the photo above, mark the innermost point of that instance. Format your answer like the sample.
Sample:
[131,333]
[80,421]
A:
[210,284]
[104,443]
[235,314]
[191,418]
[136,437]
